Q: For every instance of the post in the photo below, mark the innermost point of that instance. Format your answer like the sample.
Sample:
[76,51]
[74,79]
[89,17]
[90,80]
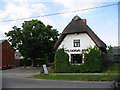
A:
[45,69]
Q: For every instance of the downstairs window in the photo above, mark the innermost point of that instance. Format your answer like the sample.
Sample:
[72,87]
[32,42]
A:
[76,58]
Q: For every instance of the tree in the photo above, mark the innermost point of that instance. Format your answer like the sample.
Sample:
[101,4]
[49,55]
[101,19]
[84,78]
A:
[34,40]
[109,49]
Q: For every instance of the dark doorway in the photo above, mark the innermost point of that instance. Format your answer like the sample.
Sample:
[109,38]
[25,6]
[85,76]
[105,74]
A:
[76,58]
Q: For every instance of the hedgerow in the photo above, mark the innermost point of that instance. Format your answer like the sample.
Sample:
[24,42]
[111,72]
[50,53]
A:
[92,62]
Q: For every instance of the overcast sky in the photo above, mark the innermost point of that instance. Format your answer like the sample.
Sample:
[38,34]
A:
[103,21]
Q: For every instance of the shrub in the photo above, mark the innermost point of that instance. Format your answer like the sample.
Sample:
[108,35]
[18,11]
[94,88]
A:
[92,62]
[61,61]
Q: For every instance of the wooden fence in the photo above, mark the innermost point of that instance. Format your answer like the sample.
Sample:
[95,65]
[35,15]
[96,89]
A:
[111,58]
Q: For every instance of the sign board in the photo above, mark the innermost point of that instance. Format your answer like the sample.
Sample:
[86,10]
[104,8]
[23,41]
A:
[45,70]
[75,50]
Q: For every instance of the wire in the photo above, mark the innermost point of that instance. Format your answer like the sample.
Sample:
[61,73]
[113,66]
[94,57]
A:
[63,12]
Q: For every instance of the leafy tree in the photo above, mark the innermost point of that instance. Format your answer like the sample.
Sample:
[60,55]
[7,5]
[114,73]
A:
[109,49]
[34,40]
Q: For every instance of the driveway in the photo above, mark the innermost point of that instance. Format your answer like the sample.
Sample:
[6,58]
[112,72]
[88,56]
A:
[16,78]
[21,71]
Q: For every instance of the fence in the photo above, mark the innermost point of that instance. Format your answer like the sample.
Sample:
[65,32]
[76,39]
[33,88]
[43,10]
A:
[111,58]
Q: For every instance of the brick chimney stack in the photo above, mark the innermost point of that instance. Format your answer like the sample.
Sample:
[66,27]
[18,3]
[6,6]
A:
[84,20]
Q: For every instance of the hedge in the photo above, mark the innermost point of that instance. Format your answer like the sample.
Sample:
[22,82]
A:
[92,62]
[62,61]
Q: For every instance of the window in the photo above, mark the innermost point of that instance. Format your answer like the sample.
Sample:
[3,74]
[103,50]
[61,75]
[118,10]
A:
[77,43]
[76,58]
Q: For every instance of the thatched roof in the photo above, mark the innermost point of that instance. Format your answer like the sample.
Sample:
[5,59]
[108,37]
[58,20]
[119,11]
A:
[78,26]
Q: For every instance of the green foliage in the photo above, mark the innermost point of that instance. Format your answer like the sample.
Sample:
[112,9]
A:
[40,61]
[37,62]
[61,61]
[25,62]
[74,77]
[109,49]
[112,68]
[92,62]
[33,39]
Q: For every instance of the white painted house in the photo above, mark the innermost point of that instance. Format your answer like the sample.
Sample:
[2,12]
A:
[77,37]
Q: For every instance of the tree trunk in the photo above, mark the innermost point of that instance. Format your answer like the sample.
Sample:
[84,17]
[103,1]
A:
[33,63]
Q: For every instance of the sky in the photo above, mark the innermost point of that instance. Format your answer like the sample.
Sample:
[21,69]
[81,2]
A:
[103,21]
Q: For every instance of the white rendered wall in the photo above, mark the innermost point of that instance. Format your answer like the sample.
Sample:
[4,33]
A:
[68,43]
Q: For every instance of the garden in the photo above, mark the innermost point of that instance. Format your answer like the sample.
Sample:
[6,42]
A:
[93,69]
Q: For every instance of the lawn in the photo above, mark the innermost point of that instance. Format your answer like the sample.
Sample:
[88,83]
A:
[78,77]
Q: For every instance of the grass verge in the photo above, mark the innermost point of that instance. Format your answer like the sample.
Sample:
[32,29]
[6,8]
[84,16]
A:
[79,77]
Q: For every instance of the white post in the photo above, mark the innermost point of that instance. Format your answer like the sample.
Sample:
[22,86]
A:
[45,69]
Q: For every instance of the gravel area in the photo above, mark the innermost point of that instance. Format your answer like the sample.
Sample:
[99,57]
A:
[21,71]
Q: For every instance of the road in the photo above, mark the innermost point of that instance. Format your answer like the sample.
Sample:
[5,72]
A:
[14,80]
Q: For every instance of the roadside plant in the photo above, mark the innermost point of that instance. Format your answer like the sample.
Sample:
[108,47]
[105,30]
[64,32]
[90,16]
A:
[93,62]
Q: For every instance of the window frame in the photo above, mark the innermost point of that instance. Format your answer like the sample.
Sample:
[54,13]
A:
[80,57]
[76,43]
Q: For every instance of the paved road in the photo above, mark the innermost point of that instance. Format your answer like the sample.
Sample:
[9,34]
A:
[12,79]
[15,82]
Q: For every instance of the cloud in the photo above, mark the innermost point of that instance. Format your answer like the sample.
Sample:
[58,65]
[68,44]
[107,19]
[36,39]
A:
[22,10]
[2,35]
[17,9]
[72,5]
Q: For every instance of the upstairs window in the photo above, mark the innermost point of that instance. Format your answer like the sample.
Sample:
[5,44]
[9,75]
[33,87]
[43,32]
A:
[77,43]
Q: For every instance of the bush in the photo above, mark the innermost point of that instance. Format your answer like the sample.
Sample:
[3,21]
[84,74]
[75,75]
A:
[61,61]
[92,62]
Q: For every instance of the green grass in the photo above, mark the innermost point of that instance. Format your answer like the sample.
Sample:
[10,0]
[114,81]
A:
[112,68]
[79,77]
[108,69]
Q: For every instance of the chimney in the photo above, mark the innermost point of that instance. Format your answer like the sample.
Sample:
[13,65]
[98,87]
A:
[84,20]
